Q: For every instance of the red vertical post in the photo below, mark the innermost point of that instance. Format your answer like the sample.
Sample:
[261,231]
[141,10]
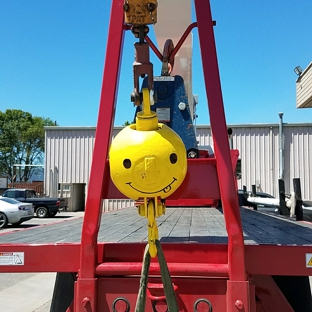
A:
[238,287]
[86,286]
[229,197]
[228,191]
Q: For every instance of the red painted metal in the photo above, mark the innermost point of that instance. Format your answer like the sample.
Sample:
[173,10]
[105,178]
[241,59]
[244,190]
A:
[191,192]
[181,41]
[156,292]
[188,291]
[200,169]
[238,296]
[203,170]
[226,275]
[277,259]
[221,143]
[99,174]
[176,48]
[176,269]
[44,258]
[270,298]
[189,202]
[65,258]
[154,48]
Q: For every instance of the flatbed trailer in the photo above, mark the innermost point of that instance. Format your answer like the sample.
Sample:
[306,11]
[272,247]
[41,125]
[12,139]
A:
[270,241]
[226,260]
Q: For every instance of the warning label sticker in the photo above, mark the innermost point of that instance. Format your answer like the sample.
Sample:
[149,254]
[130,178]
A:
[309,260]
[11,258]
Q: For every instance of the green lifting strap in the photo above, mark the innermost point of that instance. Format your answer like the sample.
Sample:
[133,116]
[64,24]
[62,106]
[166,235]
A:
[165,277]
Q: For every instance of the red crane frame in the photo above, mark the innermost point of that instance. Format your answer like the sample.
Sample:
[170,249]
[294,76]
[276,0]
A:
[99,176]
[224,271]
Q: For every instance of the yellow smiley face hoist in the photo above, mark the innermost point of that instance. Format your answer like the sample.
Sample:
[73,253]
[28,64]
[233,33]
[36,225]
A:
[148,163]
[148,160]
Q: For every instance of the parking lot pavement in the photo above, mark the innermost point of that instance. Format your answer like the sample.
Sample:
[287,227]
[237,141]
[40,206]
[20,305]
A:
[26,292]
[60,217]
[30,292]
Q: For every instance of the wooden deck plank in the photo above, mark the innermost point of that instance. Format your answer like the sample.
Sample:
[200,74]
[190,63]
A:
[203,225]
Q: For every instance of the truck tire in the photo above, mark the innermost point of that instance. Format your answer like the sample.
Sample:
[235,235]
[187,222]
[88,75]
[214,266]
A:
[42,212]
[3,220]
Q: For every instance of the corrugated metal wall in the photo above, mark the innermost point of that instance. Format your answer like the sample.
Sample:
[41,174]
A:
[298,158]
[115,204]
[69,154]
[258,147]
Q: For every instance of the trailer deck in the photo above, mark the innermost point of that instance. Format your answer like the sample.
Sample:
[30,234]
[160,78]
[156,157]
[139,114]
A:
[194,225]
[195,243]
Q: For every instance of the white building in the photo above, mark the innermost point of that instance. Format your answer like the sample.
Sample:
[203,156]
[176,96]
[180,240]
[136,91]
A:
[304,87]
[267,152]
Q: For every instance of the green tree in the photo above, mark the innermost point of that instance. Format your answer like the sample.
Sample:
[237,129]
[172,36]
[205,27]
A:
[21,142]
[126,123]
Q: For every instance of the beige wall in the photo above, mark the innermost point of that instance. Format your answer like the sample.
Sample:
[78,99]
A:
[69,154]
[304,88]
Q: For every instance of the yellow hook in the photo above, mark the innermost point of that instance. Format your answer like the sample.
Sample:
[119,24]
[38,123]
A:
[152,228]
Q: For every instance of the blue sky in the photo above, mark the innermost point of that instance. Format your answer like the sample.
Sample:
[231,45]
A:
[52,57]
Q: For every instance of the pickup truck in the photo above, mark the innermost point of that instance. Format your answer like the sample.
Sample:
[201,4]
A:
[44,206]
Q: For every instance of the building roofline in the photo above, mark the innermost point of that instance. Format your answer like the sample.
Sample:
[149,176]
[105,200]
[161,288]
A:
[304,72]
[255,125]
[69,128]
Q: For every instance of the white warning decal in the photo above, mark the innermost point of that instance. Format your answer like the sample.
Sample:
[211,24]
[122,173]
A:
[309,260]
[11,258]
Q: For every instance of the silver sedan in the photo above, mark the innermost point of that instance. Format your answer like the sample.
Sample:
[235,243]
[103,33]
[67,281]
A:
[14,212]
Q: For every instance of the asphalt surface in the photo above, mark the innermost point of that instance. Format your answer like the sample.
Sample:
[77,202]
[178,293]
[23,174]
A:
[29,292]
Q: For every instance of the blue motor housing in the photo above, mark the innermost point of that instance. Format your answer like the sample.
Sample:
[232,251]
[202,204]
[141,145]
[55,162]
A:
[172,109]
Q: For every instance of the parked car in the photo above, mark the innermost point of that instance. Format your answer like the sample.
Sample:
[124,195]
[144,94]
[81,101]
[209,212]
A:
[44,206]
[14,212]
[272,204]
[266,205]
[269,205]
[307,210]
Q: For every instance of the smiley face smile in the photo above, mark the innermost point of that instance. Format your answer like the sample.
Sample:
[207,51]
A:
[166,189]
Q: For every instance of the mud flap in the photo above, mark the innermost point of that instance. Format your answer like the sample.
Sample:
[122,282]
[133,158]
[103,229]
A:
[63,294]
[296,290]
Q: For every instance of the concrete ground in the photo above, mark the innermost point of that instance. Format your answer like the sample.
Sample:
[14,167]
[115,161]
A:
[26,292]
[30,292]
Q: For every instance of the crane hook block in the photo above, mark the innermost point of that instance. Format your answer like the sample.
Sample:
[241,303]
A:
[140,12]
[147,159]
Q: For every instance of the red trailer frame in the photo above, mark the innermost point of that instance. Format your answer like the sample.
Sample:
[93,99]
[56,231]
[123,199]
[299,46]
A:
[237,285]
[229,274]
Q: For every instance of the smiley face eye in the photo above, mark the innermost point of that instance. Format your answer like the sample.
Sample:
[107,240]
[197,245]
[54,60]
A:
[127,163]
[173,158]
